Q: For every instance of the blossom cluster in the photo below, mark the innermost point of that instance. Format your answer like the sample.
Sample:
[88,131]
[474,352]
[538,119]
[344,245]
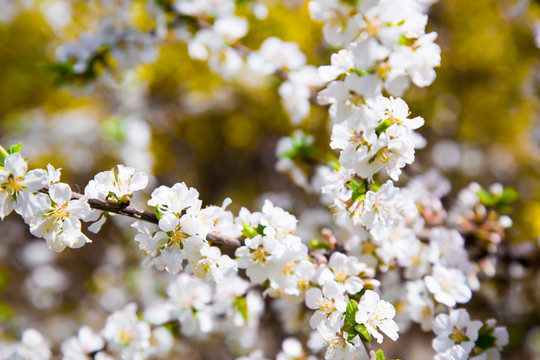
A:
[458,337]
[181,234]
[382,235]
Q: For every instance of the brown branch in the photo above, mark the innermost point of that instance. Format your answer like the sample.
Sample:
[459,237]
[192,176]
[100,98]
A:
[130,210]
[369,349]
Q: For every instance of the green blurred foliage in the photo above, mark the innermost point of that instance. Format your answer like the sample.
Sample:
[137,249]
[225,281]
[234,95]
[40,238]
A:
[23,48]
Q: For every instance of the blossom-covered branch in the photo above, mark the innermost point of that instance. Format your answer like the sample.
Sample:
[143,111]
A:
[130,210]
[397,245]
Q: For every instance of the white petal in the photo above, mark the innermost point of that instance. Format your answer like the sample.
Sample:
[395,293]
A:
[7,204]
[353,285]
[36,179]
[168,222]
[15,164]
[60,193]
[138,181]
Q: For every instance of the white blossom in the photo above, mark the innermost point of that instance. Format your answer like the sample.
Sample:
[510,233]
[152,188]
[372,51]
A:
[336,343]
[455,328]
[344,271]
[81,346]
[276,54]
[326,302]
[448,286]
[33,346]
[16,185]
[126,335]
[377,314]
[59,221]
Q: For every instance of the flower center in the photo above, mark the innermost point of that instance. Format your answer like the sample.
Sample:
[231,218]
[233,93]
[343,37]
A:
[13,186]
[458,336]
[126,336]
[178,237]
[341,275]
[59,213]
[382,70]
[259,255]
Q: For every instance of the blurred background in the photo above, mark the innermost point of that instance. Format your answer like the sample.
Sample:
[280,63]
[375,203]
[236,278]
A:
[150,106]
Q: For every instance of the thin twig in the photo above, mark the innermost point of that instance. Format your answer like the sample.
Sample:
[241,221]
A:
[369,349]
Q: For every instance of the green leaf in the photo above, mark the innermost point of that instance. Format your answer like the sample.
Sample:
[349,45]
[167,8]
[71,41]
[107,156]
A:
[241,305]
[3,154]
[485,198]
[351,2]
[350,312]
[316,244]
[332,161]
[379,355]
[363,331]
[249,231]
[351,334]
[500,202]
[359,190]
[356,186]
[505,199]
[485,341]
[303,148]
[158,212]
[260,229]
[114,128]
[14,148]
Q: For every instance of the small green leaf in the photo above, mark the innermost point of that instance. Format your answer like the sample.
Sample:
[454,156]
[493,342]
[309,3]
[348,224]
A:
[114,128]
[3,154]
[14,148]
[303,148]
[351,2]
[355,186]
[241,305]
[359,190]
[379,355]
[500,202]
[332,161]
[350,312]
[316,244]
[363,331]
[249,231]
[485,198]
[351,334]
[260,229]
[505,199]
[158,212]
[485,341]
